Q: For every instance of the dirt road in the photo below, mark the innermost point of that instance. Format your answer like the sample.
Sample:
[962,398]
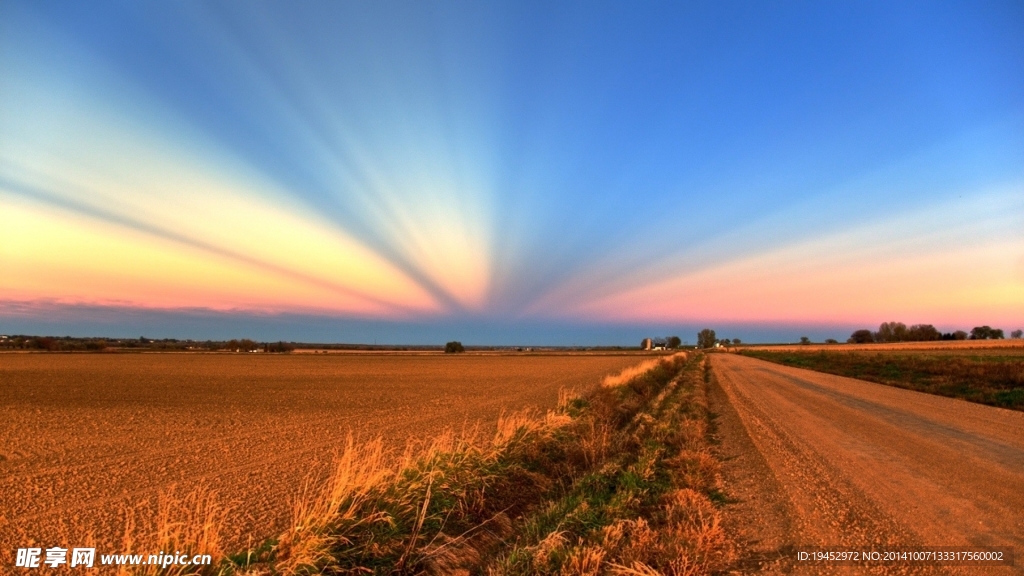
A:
[813,459]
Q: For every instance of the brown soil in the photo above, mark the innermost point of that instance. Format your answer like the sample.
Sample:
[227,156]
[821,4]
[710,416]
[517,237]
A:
[813,459]
[83,437]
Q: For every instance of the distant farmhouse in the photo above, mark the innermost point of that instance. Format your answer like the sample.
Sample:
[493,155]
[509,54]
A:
[655,344]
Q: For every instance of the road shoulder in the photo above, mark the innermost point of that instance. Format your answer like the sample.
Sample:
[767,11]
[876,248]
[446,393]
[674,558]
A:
[757,513]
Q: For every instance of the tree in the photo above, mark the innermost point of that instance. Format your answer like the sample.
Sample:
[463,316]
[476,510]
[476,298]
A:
[861,337]
[831,341]
[96,345]
[243,345]
[805,340]
[706,338]
[280,347]
[453,347]
[891,332]
[986,333]
[1017,334]
[923,333]
[736,342]
[673,341]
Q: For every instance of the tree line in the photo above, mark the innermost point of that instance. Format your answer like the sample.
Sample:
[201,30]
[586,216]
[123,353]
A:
[76,344]
[900,332]
[887,332]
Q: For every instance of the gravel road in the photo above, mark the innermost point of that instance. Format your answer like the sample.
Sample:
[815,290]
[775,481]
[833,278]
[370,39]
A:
[812,459]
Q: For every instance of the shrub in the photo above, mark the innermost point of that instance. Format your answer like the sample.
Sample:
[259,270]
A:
[454,347]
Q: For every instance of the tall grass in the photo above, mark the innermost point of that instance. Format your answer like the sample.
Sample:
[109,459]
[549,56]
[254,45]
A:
[647,509]
[617,481]
[630,372]
[190,524]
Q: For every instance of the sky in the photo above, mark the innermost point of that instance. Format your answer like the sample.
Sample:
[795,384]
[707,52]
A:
[572,173]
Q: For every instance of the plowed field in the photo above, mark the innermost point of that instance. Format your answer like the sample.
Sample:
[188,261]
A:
[85,437]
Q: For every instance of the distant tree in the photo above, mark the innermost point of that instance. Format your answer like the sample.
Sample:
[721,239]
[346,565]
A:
[1017,334]
[805,340]
[986,333]
[243,345]
[279,347]
[861,337]
[959,335]
[891,332]
[831,341]
[923,333]
[673,342]
[43,343]
[96,345]
[706,338]
[736,342]
[453,347]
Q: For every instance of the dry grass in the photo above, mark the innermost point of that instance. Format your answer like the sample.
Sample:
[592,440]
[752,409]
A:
[543,494]
[86,436]
[617,479]
[647,507]
[190,524]
[627,374]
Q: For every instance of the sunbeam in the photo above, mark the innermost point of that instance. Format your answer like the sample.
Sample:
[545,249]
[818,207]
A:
[500,165]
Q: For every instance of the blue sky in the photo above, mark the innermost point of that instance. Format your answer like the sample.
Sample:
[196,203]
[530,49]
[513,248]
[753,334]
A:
[517,172]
